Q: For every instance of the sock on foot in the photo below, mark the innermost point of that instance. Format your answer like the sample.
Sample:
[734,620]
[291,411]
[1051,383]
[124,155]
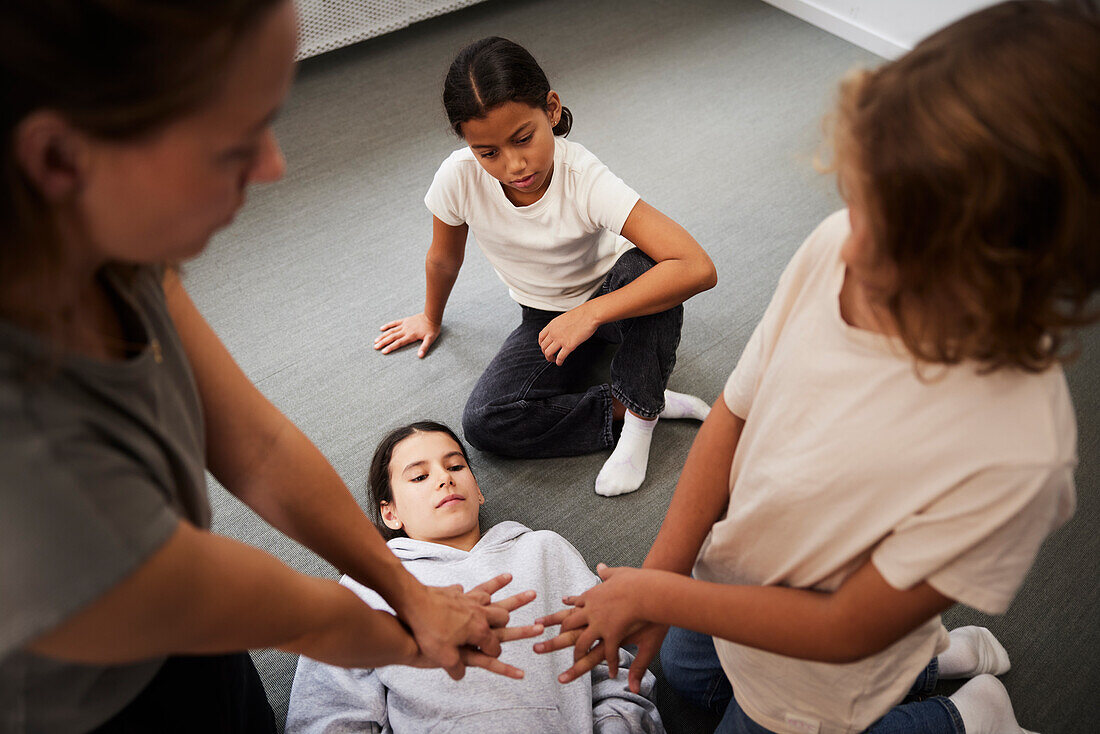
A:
[624,470]
[973,651]
[682,405]
[985,707]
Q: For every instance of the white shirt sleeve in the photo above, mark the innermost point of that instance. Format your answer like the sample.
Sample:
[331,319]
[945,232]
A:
[976,542]
[605,197]
[447,195]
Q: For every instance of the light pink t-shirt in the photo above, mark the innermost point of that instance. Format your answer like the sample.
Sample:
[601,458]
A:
[552,254]
[847,455]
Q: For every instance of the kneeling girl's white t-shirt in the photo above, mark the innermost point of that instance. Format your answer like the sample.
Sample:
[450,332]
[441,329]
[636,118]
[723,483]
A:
[552,254]
[848,455]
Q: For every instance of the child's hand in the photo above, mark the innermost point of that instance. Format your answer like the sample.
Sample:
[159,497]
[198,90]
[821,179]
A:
[418,328]
[604,613]
[565,333]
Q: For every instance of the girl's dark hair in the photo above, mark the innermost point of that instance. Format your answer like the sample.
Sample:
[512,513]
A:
[115,69]
[979,155]
[492,72]
[379,489]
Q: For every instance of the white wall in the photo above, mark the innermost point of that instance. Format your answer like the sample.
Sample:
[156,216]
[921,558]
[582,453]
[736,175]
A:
[888,28]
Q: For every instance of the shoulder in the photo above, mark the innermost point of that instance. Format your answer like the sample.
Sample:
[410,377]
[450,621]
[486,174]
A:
[460,162]
[578,160]
[1022,419]
[823,244]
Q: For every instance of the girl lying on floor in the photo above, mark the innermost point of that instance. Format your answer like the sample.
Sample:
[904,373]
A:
[427,501]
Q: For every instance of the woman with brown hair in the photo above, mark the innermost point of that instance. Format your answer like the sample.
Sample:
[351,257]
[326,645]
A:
[131,132]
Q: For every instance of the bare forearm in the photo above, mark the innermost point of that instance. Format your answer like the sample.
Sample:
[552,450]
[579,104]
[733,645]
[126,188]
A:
[297,491]
[440,275]
[701,495]
[793,622]
[668,283]
[204,594]
[862,617]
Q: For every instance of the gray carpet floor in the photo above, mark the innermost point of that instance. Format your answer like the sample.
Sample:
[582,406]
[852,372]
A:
[712,110]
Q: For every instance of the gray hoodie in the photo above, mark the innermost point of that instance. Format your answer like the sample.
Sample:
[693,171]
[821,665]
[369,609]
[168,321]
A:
[403,700]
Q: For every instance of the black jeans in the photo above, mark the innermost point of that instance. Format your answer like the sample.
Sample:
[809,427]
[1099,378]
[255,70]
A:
[525,406]
[213,694]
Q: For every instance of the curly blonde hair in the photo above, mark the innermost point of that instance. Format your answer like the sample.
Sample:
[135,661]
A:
[979,156]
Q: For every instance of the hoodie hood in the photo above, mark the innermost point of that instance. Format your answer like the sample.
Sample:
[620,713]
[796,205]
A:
[498,538]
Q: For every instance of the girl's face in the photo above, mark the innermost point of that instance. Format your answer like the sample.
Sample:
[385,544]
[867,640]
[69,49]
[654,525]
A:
[435,495]
[874,272]
[161,199]
[514,143]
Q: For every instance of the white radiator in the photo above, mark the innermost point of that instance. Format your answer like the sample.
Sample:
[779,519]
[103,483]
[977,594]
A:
[329,24]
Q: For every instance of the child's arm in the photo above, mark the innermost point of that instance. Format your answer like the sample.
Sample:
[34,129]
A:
[682,270]
[864,616]
[441,268]
[699,501]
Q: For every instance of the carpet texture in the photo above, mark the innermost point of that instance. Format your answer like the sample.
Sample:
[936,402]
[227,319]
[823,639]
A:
[712,111]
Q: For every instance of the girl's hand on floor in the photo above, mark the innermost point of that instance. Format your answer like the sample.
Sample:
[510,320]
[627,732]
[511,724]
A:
[600,621]
[418,328]
[565,333]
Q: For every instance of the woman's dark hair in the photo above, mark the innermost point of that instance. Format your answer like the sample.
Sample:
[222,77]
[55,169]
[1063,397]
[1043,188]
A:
[379,489]
[115,69]
[978,153]
[492,72]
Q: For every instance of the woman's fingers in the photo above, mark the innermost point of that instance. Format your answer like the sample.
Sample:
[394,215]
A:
[508,634]
[494,584]
[496,616]
[456,671]
[478,659]
[562,641]
[583,666]
[513,603]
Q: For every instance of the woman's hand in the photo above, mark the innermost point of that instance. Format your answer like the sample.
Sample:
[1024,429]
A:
[605,614]
[567,332]
[451,626]
[418,328]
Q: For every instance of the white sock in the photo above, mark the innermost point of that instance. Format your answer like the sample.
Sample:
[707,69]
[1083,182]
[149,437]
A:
[985,708]
[682,405]
[624,470]
[973,651]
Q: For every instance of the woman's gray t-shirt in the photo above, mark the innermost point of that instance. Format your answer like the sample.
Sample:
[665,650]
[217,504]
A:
[99,461]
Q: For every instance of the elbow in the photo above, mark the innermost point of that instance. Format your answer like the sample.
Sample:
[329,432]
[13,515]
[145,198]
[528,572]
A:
[710,278]
[706,275]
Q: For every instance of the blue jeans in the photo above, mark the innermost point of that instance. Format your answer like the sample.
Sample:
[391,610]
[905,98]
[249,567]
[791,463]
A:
[525,406]
[691,667]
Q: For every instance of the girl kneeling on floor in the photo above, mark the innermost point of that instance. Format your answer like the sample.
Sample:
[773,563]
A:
[588,261]
[898,436]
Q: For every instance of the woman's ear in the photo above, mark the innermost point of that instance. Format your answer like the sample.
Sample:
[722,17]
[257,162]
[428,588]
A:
[51,153]
[389,515]
[553,107]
